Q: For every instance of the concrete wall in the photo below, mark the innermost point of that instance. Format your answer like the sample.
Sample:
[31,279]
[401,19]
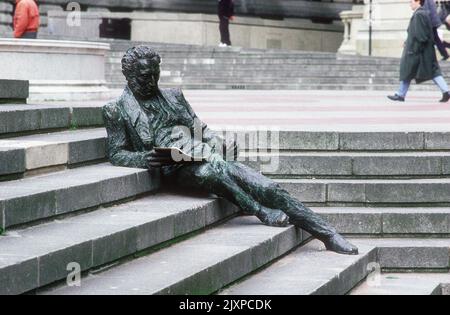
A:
[256,8]
[57,70]
[203,29]
[390,22]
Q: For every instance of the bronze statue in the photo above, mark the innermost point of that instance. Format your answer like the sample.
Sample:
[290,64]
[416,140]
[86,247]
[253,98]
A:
[146,117]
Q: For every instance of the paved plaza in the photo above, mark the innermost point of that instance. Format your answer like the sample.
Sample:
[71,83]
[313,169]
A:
[313,110]
[322,110]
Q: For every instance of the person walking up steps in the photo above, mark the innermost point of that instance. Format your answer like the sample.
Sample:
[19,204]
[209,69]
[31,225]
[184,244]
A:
[419,60]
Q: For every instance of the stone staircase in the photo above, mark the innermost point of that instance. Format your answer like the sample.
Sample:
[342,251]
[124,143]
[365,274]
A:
[62,203]
[198,67]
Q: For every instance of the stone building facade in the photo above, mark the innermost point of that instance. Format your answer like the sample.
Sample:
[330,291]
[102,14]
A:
[289,24]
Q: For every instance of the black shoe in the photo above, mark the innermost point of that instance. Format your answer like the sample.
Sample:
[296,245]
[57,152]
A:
[340,245]
[445,97]
[445,58]
[273,217]
[396,97]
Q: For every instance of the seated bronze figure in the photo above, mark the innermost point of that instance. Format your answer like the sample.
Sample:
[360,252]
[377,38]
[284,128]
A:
[146,117]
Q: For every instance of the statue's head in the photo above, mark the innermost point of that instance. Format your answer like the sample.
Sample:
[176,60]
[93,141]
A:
[140,66]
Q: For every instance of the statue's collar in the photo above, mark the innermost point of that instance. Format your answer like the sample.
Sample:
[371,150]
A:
[137,116]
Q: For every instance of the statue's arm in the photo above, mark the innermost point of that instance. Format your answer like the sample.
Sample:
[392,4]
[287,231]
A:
[212,138]
[118,147]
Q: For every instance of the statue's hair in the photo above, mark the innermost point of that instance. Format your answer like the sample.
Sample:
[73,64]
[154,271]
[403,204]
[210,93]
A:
[132,56]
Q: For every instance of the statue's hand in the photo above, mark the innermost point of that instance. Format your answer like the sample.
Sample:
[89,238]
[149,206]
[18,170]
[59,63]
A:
[159,159]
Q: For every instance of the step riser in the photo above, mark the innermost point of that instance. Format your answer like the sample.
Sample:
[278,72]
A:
[353,167]
[29,119]
[20,161]
[391,224]
[370,194]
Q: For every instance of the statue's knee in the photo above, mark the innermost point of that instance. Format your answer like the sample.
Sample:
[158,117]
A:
[206,172]
[274,189]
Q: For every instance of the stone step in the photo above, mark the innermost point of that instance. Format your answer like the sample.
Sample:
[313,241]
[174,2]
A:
[393,81]
[346,164]
[34,118]
[413,222]
[261,78]
[34,257]
[21,155]
[299,72]
[261,60]
[406,284]
[329,87]
[411,192]
[312,270]
[15,91]
[44,196]
[174,65]
[200,265]
[309,270]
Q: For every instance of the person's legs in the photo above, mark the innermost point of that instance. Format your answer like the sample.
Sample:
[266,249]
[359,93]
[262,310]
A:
[224,32]
[401,93]
[403,88]
[440,46]
[440,82]
[29,35]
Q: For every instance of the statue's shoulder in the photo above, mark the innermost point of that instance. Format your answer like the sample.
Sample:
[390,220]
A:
[111,111]
[172,92]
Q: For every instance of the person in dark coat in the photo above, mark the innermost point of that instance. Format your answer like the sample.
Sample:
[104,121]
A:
[226,13]
[436,22]
[419,60]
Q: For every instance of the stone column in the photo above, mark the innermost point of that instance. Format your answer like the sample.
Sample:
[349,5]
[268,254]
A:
[352,20]
[390,20]
[6,19]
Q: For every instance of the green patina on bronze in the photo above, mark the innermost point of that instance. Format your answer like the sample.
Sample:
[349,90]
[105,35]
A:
[145,117]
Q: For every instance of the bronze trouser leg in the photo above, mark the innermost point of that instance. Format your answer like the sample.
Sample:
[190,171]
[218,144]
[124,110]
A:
[204,177]
[270,194]
[248,189]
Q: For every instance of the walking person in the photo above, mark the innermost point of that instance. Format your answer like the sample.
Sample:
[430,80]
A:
[26,19]
[436,22]
[226,13]
[419,60]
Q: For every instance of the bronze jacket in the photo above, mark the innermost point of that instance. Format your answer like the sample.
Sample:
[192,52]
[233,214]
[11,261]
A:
[133,131]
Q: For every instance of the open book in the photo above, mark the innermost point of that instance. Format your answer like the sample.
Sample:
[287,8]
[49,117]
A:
[179,156]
